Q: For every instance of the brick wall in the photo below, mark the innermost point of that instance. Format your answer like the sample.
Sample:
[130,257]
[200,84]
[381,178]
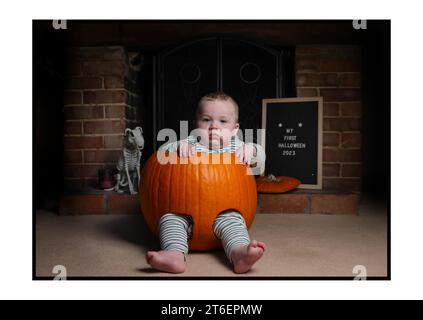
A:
[334,72]
[100,100]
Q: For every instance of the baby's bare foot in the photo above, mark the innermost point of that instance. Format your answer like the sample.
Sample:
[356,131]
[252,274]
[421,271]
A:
[243,257]
[171,261]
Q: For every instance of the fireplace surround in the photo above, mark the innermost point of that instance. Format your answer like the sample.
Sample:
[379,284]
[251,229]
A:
[110,84]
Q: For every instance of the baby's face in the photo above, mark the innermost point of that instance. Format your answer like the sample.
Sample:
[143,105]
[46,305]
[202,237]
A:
[217,124]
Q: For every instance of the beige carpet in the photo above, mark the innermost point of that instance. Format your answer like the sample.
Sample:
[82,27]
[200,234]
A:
[298,245]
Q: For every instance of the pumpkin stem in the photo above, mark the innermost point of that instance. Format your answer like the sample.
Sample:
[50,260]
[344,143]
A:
[272,178]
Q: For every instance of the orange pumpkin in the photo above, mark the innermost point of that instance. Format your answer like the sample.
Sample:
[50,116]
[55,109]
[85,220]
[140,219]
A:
[278,184]
[202,187]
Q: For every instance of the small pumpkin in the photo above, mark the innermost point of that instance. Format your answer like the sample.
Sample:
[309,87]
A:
[276,184]
[202,187]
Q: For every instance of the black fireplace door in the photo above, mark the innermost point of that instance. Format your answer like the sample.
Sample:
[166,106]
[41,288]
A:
[244,70]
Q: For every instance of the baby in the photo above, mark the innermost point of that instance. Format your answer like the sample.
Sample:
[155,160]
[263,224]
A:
[216,124]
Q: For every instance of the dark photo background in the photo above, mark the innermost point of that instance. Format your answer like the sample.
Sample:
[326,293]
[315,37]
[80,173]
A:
[376,99]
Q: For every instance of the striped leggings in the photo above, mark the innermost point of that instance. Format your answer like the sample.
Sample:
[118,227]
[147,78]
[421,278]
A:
[229,227]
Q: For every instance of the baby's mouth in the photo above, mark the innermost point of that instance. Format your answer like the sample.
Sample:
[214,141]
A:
[215,140]
[214,136]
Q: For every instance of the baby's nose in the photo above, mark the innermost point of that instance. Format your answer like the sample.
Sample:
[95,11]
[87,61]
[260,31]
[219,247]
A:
[214,125]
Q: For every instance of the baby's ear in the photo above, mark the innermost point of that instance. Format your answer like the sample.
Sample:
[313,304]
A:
[235,131]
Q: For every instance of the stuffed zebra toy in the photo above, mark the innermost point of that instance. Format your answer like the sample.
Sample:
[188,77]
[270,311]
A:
[129,162]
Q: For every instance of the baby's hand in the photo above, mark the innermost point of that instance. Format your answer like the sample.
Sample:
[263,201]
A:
[245,153]
[185,149]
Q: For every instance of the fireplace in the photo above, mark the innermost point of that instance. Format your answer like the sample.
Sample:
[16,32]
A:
[106,83]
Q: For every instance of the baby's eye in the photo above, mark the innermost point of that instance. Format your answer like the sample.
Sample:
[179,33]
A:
[223,121]
[205,119]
